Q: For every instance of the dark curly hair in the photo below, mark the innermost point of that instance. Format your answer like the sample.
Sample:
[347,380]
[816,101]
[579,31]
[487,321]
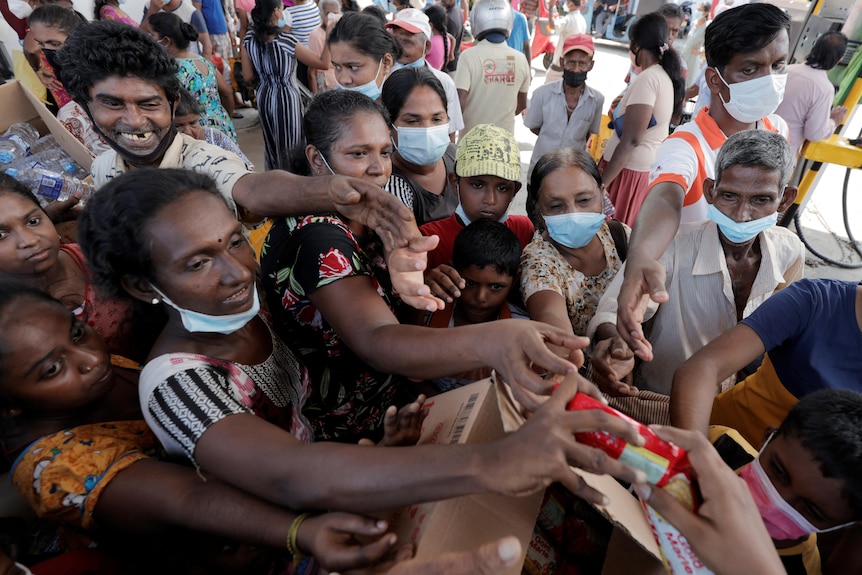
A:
[99,50]
[111,229]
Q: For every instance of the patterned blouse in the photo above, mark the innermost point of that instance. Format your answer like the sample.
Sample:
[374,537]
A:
[204,87]
[543,267]
[184,394]
[348,397]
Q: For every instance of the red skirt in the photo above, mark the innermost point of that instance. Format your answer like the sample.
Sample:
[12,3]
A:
[627,192]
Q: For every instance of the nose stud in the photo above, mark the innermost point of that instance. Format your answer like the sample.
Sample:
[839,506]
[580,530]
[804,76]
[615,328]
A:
[88,369]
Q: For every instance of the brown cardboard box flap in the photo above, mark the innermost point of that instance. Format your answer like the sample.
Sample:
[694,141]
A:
[469,414]
[624,510]
[20,105]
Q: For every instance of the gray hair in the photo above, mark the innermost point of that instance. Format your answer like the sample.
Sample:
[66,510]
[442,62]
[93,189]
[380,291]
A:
[758,148]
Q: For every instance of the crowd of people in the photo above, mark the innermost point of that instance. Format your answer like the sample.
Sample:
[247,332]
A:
[228,372]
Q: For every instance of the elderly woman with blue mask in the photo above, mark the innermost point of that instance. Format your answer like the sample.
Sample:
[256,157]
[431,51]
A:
[575,252]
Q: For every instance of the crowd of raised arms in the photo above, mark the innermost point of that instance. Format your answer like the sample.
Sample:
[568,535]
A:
[225,370]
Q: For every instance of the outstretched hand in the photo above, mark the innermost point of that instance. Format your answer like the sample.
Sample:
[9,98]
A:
[521,353]
[406,270]
[371,206]
[65,210]
[445,282]
[727,532]
[541,451]
[640,284]
[613,362]
[344,541]
[404,426]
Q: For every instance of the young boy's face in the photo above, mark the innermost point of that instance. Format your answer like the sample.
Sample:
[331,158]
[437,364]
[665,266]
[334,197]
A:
[484,293]
[486,197]
[796,475]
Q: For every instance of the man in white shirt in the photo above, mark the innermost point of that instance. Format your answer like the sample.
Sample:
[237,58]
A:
[718,270]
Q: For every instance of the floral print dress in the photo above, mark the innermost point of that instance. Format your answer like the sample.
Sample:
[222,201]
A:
[543,267]
[204,87]
[348,397]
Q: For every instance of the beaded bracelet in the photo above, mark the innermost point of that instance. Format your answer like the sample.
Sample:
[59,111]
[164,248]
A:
[292,547]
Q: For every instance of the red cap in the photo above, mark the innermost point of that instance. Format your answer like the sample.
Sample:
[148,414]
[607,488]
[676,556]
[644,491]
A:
[582,42]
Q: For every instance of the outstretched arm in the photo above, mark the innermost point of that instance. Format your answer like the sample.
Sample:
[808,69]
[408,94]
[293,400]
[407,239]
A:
[279,193]
[655,227]
[695,383]
[359,478]
[150,495]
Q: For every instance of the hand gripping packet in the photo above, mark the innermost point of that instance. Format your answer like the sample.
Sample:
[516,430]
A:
[665,465]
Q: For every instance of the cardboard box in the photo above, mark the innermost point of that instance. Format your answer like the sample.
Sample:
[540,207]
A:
[633,548]
[20,105]
[469,414]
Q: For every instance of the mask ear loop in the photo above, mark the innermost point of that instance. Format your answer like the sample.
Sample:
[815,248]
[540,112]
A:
[325,163]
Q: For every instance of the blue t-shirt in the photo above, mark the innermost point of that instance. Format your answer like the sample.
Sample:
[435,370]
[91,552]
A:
[214,16]
[520,32]
[811,334]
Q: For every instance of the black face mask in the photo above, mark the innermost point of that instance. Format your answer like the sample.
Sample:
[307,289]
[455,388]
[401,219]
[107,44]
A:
[51,56]
[574,79]
[133,160]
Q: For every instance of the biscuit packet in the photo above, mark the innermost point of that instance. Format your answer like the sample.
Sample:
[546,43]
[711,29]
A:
[667,466]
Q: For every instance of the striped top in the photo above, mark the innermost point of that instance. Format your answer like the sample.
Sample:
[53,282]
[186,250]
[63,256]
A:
[306,17]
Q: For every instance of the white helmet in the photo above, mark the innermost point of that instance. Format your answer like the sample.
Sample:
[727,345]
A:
[491,16]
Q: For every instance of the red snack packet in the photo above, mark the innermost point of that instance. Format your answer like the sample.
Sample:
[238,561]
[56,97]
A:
[657,458]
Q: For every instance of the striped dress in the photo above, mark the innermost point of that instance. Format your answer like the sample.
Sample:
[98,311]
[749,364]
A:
[278,101]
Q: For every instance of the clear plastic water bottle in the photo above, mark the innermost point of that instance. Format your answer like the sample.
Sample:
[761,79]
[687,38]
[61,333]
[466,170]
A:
[46,143]
[16,142]
[51,185]
[52,158]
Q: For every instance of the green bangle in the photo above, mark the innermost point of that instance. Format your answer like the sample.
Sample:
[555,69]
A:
[292,547]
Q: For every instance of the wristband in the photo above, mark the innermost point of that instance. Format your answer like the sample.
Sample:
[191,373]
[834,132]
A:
[292,547]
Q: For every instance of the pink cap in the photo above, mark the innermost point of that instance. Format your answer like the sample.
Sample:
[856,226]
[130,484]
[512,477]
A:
[582,42]
[413,20]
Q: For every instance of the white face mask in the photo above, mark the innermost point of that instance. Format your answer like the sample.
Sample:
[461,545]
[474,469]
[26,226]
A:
[195,321]
[754,99]
[20,8]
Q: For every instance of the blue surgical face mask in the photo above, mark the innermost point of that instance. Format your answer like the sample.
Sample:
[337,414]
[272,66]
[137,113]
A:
[195,321]
[370,89]
[574,230]
[416,63]
[740,232]
[281,23]
[423,146]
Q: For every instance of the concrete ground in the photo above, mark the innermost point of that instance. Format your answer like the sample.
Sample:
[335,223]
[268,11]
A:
[822,219]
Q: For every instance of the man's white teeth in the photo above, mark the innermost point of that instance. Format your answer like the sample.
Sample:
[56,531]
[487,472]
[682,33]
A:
[138,137]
